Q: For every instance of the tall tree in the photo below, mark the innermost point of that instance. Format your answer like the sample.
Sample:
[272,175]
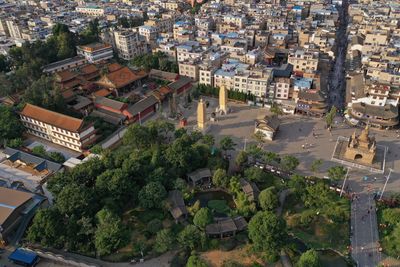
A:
[152,195]
[226,144]
[309,258]
[289,163]
[268,199]
[10,126]
[110,233]
[268,233]
[203,217]
[337,172]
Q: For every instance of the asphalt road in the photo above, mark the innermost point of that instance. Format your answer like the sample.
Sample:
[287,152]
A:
[364,241]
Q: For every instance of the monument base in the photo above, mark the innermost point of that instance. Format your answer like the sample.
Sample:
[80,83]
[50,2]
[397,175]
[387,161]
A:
[221,112]
[377,166]
[204,130]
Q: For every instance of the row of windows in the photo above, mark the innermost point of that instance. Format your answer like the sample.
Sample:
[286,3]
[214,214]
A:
[66,144]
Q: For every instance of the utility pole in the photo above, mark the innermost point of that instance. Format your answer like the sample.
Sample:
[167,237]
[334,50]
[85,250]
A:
[244,146]
[344,182]
[387,179]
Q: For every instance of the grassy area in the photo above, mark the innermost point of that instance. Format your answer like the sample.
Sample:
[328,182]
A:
[319,228]
[220,206]
[389,225]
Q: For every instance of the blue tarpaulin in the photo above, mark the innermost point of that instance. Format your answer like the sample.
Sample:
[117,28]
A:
[23,257]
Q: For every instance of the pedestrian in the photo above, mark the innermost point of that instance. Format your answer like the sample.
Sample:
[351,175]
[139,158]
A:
[368,211]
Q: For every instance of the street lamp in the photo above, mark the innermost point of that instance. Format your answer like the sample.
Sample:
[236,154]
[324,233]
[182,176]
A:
[244,146]
[344,182]
[387,179]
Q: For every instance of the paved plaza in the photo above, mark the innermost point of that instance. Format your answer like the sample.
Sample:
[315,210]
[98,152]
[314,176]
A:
[297,131]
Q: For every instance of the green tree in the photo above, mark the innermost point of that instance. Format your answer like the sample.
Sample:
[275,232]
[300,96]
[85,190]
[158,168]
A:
[47,228]
[220,178]
[309,258]
[316,165]
[268,199]
[259,136]
[4,64]
[208,139]
[330,116]
[110,233]
[137,136]
[226,144]
[195,261]
[154,226]
[244,206]
[289,163]
[164,241]
[10,126]
[203,217]
[241,158]
[297,184]
[337,172]
[268,233]
[255,174]
[392,241]
[15,143]
[190,237]
[56,157]
[276,109]
[391,216]
[152,195]
[39,151]
[74,199]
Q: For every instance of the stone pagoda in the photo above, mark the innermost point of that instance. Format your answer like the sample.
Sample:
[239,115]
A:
[361,148]
[201,115]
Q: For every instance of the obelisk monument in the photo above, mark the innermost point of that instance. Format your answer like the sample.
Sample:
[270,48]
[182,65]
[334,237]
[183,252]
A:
[201,115]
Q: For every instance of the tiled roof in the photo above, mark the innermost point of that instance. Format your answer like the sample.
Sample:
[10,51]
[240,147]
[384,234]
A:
[114,67]
[106,102]
[124,76]
[53,118]
[102,92]
[65,75]
[88,69]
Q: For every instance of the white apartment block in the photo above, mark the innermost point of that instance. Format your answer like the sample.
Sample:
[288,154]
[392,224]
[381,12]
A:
[91,10]
[129,44]
[187,51]
[58,128]
[150,33]
[14,29]
[95,52]
[238,21]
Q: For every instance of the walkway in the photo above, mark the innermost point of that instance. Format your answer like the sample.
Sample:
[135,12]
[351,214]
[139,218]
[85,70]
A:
[364,241]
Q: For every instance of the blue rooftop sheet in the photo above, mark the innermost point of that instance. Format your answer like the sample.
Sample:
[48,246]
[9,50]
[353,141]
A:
[23,256]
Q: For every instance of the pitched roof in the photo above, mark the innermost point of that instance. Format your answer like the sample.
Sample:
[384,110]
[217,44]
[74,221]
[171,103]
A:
[199,174]
[142,105]
[66,75]
[386,112]
[270,122]
[114,104]
[124,76]
[53,118]
[38,163]
[89,69]
[102,92]
[178,207]
[114,67]
[10,200]
[182,81]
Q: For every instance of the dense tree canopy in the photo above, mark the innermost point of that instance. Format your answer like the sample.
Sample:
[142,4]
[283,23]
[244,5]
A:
[220,178]
[268,233]
[164,240]
[309,258]
[337,172]
[10,126]
[152,195]
[191,237]
[268,199]
[203,217]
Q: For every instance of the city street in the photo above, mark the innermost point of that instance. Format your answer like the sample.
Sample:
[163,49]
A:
[364,241]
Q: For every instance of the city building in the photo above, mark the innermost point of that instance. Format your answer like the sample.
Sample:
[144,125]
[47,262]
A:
[129,44]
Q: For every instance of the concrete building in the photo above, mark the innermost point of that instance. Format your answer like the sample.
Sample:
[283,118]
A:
[95,52]
[129,44]
[304,61]
[190,68]
[58,128]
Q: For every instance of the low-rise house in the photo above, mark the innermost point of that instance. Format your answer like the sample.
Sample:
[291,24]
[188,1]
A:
[176,206]
[268,126]
[58,128]
[224,227]
[66,64]
[200,176]
[250,189]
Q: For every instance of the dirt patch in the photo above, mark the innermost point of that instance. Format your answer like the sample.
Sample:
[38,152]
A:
[241,255]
